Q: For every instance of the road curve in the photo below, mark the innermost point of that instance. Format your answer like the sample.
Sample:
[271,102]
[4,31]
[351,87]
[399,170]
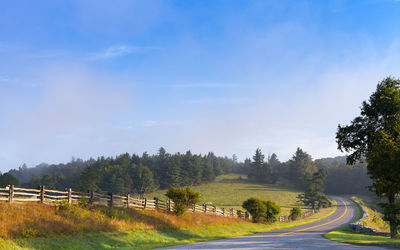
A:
[308,236]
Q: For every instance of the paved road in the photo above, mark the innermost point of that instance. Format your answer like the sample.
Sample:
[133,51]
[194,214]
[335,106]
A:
[309,236]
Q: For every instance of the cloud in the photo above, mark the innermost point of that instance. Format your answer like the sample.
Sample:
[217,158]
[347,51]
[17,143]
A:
[121,50]
[70,115]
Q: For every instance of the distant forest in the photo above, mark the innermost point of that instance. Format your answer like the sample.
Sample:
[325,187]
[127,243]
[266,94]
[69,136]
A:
[140,174]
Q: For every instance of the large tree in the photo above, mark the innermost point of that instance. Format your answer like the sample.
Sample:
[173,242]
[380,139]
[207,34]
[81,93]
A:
[374,136]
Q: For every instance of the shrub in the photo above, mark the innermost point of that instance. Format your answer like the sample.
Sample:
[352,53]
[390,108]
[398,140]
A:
[256,208]
[182,198]
[272,212]
[295,213]
[262,211]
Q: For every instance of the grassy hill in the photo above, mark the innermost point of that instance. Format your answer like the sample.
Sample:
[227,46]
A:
[230,191]
[40,226]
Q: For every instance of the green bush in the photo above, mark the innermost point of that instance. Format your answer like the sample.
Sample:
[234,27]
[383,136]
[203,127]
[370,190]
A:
[182,198]
[273,211]
[256,208]
[262,211]
[295,213]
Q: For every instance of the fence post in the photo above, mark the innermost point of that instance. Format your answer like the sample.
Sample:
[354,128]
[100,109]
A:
[215,209]
[69,195]
[205,208]
[169,205]
[223,211]
[11,193]
[145,203]
[90,196]
[128,200]
[111,200]
[156,202]
[42,190]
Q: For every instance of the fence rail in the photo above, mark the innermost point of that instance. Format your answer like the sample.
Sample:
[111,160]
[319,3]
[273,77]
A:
[48,196]
[15,194]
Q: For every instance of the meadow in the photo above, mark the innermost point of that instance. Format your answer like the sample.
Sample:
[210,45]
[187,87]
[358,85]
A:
[40,226]
[230,191]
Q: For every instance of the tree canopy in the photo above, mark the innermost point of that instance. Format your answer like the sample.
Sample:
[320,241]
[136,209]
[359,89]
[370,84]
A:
[374,136]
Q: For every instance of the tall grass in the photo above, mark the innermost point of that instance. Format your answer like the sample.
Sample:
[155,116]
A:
[39,226]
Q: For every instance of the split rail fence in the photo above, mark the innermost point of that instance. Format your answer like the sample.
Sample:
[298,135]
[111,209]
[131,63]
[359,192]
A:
[48,196]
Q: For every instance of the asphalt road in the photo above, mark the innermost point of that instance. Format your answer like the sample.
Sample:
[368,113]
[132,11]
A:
[308,236]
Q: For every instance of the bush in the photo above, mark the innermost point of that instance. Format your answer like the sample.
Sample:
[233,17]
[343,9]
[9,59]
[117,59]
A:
[295,213]
[182,198]
[262,211]
[256,208]
[273,211]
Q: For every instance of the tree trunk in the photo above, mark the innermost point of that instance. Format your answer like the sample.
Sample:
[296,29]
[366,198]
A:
[393,225]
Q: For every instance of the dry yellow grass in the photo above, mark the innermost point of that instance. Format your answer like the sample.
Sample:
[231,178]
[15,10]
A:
[40,220]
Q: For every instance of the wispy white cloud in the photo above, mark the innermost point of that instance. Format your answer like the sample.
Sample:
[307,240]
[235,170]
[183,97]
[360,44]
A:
[121,50]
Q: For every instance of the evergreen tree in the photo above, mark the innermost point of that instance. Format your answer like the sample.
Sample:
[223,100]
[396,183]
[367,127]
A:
[314,196]
[301,167]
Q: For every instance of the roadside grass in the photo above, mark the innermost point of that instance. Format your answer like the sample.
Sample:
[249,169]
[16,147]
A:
[230,191]
[141,229]
[40,226]
[343,234]
[374,217]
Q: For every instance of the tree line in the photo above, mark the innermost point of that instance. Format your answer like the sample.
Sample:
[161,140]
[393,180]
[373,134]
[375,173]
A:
[139,174]
[341,178]
[128,173]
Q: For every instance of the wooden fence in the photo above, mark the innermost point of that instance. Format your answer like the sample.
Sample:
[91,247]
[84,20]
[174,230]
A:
[48,196]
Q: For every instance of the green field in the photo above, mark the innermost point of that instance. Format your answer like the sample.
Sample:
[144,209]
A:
[229,191]
[343,234]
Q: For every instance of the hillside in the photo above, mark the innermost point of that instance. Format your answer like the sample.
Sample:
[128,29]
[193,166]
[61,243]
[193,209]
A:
[230,191]
[40,226]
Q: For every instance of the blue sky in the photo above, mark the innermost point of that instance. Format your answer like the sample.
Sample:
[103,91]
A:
[91,78]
